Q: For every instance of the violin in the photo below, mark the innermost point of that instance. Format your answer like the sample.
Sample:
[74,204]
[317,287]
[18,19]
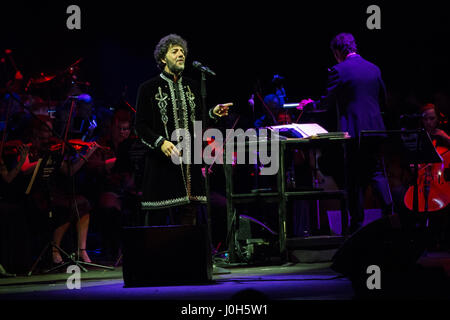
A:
[12,147]
[433,183]
[78,145]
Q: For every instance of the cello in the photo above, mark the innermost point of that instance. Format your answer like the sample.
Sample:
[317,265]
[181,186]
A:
[433,181]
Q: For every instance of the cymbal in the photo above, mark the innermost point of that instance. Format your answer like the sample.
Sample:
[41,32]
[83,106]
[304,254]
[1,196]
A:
[43,78]
[76,62]
[73,68]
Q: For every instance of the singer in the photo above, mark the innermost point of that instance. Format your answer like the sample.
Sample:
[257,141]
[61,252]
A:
[165,104]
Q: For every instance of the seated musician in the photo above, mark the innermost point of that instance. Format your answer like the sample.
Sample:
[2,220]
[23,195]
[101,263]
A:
[431,118]
[53,189]
[10,175]
[15,255]
[110,175]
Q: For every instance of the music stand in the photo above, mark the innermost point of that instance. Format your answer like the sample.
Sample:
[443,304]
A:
[39,174]
[415,145]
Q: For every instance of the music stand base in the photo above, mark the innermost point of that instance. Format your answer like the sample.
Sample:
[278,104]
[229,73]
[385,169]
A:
[72,261]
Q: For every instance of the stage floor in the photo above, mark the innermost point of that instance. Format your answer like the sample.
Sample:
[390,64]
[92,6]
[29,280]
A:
[291,281]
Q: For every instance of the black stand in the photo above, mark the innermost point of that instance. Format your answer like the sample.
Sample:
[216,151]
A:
[71,257]
[51,245]
[205,166]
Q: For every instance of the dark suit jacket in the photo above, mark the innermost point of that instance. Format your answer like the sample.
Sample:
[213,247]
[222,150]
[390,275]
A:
[356,88]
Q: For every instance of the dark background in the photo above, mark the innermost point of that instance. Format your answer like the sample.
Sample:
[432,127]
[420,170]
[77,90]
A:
[243,42]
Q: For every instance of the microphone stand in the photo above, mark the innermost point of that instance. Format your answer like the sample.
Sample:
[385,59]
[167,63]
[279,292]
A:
[205,166]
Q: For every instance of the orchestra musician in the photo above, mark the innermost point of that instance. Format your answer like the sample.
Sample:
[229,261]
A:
[274,115]
[15,251]
[111,180]
[437,178]
[53,190]
[431,119]
[356,88]
[272,105]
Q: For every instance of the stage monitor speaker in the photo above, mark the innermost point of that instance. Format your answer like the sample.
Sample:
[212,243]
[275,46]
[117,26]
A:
[392,246]
[166,255]
[250,228]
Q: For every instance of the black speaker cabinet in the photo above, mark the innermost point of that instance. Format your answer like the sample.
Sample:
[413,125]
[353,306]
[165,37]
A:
[166,255]
[386,243]
[383,243]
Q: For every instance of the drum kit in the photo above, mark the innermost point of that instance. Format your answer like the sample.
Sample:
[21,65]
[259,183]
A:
[42,93]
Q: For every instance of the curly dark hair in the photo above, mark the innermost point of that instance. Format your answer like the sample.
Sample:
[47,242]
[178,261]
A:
[163,46]
[344,43]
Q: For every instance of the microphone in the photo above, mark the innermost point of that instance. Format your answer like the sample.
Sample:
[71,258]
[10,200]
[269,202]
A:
[203,68]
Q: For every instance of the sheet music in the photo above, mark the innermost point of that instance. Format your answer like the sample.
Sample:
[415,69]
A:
[300,130]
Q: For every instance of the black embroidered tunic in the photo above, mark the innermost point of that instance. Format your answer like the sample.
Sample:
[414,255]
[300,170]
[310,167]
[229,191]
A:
[164,106]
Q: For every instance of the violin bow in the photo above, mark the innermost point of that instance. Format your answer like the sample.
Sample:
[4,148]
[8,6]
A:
[69,119]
